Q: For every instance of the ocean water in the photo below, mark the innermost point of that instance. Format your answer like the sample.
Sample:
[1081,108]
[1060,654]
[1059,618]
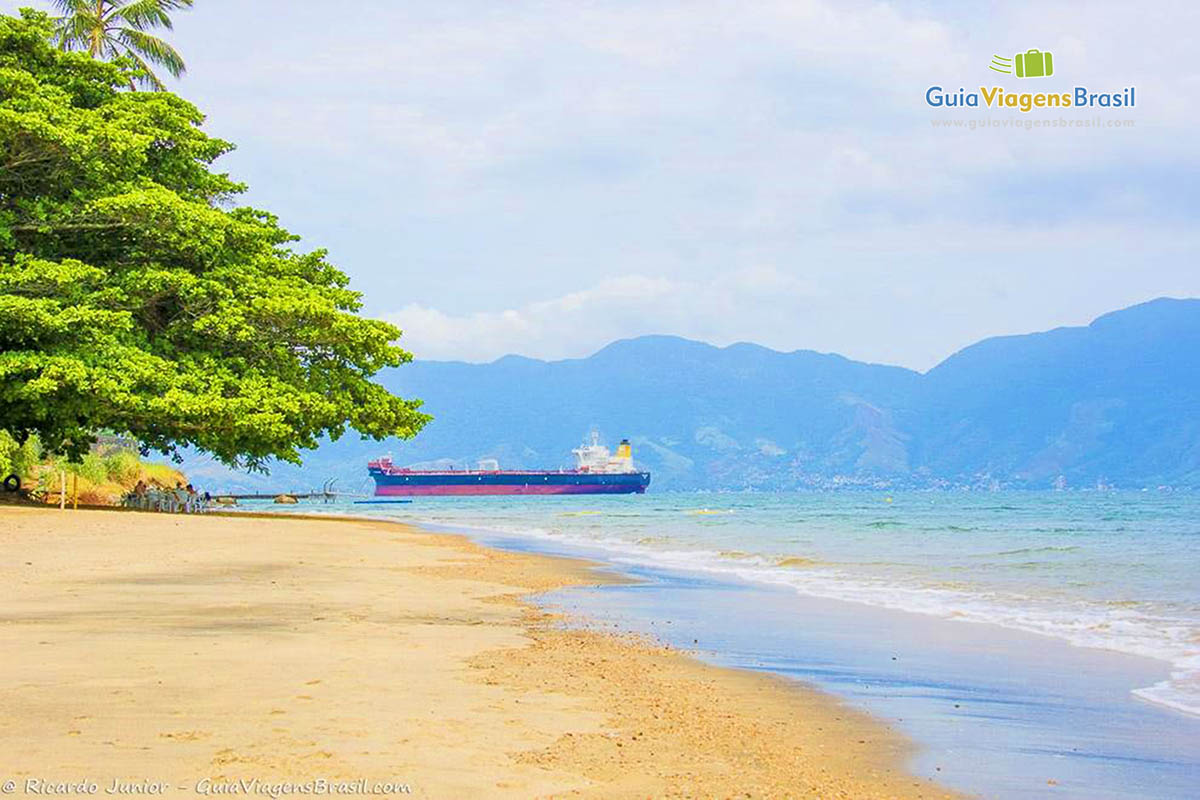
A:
[1114,570]
[1088,671]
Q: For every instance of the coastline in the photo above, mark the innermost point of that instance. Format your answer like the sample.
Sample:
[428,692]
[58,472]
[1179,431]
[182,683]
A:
[224,647]
[996,711]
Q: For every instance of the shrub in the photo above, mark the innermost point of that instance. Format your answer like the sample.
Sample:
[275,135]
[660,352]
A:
[8,447]
[18,459]
[92,469]
[123,467]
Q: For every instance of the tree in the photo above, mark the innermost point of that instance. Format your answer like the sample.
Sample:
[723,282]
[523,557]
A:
[136,298]
[114,28]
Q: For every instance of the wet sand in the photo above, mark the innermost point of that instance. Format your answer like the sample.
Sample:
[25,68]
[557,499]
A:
[209,649]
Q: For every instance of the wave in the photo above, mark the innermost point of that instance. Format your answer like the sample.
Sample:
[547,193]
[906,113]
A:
[797,561]
[1099,625]
[1044,549]
[1179,692]
[1120,625]
[1109,626]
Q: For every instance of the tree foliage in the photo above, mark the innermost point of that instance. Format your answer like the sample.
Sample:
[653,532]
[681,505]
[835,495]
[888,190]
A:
[135,297]
[18,459]
[111,29]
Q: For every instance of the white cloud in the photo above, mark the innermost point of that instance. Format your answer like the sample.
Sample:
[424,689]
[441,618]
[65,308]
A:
[581,322]
[869,303]
[462,158]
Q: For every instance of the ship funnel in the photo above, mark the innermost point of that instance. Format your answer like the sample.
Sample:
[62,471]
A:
[624,449]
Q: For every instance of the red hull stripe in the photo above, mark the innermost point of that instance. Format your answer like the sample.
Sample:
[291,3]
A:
[612,488]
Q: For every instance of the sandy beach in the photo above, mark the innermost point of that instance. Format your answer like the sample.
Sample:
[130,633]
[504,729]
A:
[196,651]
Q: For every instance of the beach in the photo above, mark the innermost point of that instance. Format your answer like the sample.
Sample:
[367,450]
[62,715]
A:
[1029,644]
[200,651]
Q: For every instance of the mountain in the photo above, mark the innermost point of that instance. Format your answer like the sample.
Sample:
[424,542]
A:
[1114,401]
[1118,400]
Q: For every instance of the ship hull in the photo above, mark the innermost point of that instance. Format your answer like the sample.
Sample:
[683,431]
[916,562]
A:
[464,484]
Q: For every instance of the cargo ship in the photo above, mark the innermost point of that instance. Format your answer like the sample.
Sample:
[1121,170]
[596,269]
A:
[595,472]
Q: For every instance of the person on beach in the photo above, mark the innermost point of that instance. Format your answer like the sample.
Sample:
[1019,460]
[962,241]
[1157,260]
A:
[176,498]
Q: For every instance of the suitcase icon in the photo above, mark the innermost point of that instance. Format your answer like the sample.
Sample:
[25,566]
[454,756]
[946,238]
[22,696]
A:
[1034,64]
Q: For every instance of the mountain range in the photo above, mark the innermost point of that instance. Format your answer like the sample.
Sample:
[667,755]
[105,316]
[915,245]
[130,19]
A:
[1116,402]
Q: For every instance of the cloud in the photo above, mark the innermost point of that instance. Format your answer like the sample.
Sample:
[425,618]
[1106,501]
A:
[543,177]
[581,322]
[867,303]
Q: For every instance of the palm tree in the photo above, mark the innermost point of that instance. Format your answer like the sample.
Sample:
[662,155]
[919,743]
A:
[111,28]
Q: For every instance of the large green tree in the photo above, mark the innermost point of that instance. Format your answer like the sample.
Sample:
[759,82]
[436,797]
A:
[137,297]
[118,28]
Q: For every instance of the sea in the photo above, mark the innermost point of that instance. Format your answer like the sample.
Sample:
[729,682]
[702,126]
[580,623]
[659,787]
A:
[1031,643]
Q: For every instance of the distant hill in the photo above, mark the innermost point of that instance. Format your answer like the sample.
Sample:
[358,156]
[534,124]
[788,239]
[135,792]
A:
[1116,401]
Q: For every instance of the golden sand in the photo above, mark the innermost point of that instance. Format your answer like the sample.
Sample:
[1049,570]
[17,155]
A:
[188,650]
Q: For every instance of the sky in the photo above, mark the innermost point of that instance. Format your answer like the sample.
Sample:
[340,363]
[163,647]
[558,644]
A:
[543,178]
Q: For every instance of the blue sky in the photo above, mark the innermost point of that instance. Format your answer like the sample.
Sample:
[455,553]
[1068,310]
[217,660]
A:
[543,178]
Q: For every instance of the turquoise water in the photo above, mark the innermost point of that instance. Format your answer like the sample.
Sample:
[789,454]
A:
[870,596]
[1119,571]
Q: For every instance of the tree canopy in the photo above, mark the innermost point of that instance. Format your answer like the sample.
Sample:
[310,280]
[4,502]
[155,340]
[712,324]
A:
[136,296]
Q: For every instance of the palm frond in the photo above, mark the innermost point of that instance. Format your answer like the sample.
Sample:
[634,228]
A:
[148,78]
[146,14]
[73,32]
[74,7]
[143,14]
[152,49]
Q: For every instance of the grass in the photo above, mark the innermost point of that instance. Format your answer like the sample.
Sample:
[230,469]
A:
[101,479]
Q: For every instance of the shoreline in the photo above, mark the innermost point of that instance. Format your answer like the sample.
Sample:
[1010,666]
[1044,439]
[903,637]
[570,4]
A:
[1179,665]
[996,711]
[226,645]
[1159,692]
